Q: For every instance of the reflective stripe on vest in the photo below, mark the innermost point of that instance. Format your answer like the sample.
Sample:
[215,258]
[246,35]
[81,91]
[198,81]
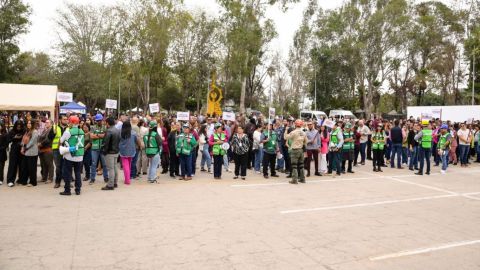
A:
[348,145]
[151,146]
[427,138]
[77,140]
[442,141]
[56,139]
[217,148]
[380,141]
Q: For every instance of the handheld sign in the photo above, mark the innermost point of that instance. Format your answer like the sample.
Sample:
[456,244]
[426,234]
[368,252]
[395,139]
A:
[229,116]
[329,123]
[154,108]
[183,116]
[64,97]
[110,104]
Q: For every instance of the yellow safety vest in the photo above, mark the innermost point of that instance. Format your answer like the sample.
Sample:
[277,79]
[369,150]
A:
[58,135]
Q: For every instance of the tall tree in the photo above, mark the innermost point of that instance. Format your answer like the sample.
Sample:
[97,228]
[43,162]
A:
[13,22]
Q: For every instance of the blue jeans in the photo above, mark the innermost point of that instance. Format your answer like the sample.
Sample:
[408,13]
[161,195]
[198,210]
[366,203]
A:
[396,149]
[68,166]
[477,147]
[363,148]
[152,169]
[335,160]
[436,157]
[388,150]
[258,159]
[444,158]
[206,158]
[133,169]
[186,165]
[424,154]
[463,153]
[93,168]
[404,155]
[280,163]
[193,161]
[87,163]
[413,158]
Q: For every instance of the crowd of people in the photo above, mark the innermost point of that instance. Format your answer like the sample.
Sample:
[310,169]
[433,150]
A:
[95,145]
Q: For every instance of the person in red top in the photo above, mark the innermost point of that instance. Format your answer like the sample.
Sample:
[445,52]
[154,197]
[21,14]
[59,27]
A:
[356,136]
[194,131]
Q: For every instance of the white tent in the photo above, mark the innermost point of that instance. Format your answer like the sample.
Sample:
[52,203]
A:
[28,97]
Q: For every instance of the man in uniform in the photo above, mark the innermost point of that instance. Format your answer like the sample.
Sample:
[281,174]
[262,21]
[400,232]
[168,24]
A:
[336,143]
[73,160]
[97,135]
[298,144]
[425,138]
[58,130]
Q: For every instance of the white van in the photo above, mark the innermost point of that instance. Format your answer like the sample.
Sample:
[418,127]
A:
[312,115]
[342,114]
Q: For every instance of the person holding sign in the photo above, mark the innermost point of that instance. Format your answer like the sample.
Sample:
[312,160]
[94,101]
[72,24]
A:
[186,144]
[379,139]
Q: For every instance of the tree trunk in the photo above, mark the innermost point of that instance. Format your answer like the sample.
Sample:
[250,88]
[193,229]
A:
[244,86]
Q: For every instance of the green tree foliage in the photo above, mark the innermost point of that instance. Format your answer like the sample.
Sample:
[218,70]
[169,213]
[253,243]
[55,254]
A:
[13,22]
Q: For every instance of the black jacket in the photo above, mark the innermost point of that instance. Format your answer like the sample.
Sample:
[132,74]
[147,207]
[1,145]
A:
[111,141]
[396,135]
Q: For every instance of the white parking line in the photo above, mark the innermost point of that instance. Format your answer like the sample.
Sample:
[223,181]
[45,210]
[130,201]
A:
[425,250]
[368,204]
[308,182]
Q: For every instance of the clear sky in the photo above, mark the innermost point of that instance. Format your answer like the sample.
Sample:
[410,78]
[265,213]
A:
[42,33]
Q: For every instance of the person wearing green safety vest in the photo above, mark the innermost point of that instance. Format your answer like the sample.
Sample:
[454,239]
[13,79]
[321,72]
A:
[348,147]
[58,131]
[97,134]
[444,146]
[335,145]
[186,144]
[216,140]
[424,138]
[73,138]
[379,139]
[153,149]
[270,149]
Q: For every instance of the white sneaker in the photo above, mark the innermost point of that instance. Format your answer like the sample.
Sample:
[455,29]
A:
[443,172]
[1,182]
[10,184]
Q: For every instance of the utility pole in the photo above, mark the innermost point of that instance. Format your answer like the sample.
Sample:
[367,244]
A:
[473,77]
[315,88]
[118,111]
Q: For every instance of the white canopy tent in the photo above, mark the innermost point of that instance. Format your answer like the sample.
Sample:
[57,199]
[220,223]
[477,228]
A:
[28,97]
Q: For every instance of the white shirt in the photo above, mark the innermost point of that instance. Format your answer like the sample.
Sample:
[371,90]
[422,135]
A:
[364,132]
[463,134]
[257,137]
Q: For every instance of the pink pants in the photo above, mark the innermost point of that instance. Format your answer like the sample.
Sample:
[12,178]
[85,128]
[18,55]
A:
[127,166]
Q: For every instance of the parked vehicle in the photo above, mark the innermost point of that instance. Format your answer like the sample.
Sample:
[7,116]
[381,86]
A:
[342,114]
[312,115]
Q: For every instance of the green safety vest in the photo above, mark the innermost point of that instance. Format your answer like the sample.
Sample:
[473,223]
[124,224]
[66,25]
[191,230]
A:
[334,137]
[151,146]
[348,145]
[427,138]
[58,135]
[97,143]
[217,148]
[380,138]
[442,141]
[270,145]
[77,139]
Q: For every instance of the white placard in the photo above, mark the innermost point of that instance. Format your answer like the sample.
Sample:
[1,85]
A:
[271,112]
[229,116]
[183,116]
[64,96]
[329,123]
[154,108]
[426,116]
[470,121]
[437,113]
[111,104]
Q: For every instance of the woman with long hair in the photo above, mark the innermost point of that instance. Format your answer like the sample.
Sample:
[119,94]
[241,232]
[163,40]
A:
[3,150]
[15,157]
[87,155]
[324,140]
[30,152]
[204,148]
[127,146]
[240,145]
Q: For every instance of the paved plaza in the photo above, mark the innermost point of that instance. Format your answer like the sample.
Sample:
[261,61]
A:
[366,220]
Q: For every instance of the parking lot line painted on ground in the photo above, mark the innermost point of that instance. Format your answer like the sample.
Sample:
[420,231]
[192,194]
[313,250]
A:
[425,250]
[368,204]
[308,182]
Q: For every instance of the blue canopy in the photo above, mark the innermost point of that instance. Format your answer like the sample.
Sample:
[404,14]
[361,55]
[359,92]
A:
[73,107]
